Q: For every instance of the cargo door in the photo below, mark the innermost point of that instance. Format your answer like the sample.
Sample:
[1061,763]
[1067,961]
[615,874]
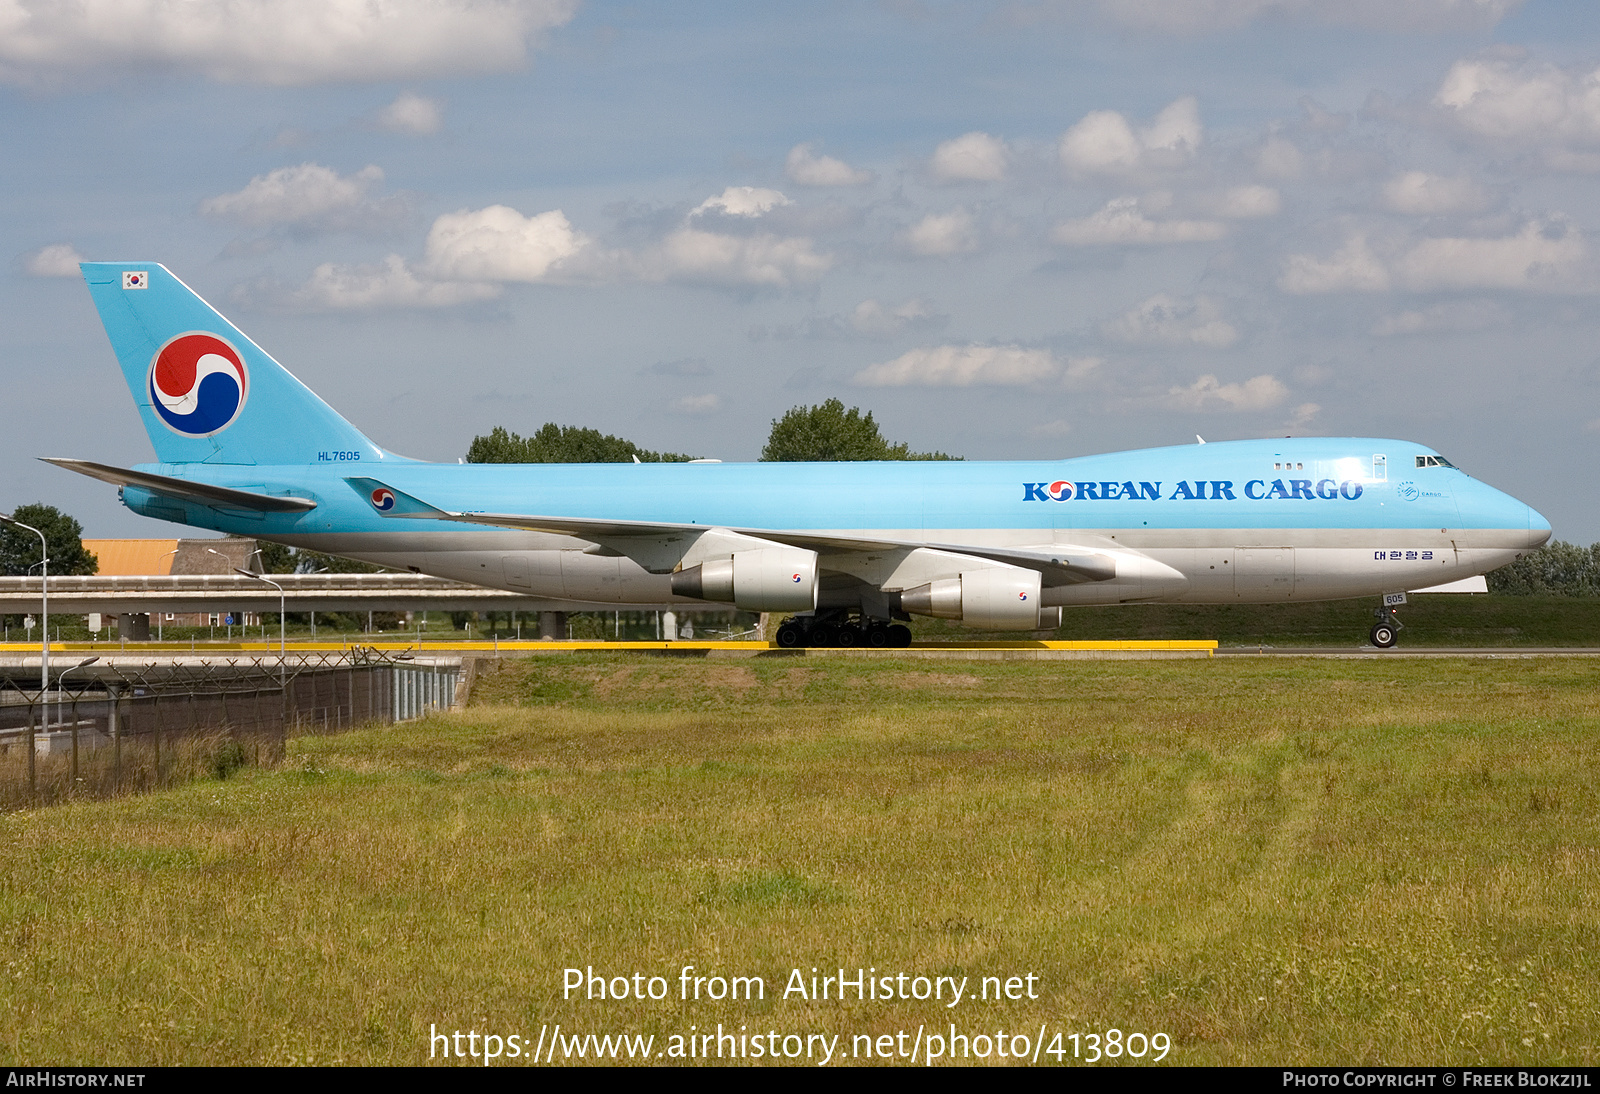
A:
[1263,574]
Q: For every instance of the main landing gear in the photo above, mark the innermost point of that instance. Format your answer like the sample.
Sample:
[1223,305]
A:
[1386,631]
[837,629]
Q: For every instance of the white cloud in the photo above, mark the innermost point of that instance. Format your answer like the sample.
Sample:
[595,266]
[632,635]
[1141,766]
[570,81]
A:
[690,254]
[284,42]
[412,114]
[55,260]
[1280,159]
[881,320]
[1210,394]
[697,404]
[1454,315]
[942,234]
[742,201]
[1353,268]
[1163,320]
[500,244]
[1081,368]
[974,157]
[1521,103]
[1209,16]
[1303,413]
[312,197]
[1121,221]
[809,169]
[1242,203]
[1548,256]
[1421,194]
[962,366]
[1104,142]
[390,284]
[1544,256]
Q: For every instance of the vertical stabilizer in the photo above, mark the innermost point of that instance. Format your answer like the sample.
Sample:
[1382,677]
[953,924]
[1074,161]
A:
[206,392]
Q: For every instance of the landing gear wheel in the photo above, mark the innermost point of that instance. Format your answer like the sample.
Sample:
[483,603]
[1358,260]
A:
[846,637]
[791,636]
[1383,635]
[880,637]
[822,635]
[900,636]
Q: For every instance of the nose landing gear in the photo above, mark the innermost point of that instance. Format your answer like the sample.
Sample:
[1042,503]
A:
[1386,631]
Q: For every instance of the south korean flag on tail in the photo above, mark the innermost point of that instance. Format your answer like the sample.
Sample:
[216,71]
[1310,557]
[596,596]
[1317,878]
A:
[135,279]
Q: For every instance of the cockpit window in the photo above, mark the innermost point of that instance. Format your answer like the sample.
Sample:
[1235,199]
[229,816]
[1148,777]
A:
[1433,461]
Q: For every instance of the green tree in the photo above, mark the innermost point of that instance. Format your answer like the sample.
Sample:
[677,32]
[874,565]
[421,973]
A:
[275,558]
[562,444]
[278,559]
[829,432]
[19,550]
[1557,569]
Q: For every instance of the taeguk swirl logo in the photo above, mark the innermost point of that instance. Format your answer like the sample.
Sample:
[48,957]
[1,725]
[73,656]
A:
[198,384]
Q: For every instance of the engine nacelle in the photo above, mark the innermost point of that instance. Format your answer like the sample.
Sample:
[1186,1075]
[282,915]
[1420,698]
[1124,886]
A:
[767,579]
[999,598]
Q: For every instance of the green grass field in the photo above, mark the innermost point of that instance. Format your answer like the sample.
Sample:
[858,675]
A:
[1272,862]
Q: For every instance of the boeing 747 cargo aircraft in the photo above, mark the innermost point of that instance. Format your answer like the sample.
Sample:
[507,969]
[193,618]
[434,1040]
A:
[847,548]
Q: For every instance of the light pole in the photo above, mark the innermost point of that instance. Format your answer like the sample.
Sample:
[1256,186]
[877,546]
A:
[282,641]
[44,605]
[159,557]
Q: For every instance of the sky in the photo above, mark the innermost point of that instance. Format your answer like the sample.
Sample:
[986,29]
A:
[1026,229]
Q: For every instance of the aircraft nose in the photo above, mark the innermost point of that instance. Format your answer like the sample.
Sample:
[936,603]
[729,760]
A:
[1538,528]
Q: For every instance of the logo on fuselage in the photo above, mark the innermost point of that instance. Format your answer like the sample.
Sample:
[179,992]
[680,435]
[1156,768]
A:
[1197,490]
[198,384]
[383,500]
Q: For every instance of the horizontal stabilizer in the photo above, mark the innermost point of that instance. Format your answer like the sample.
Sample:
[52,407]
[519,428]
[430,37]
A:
[187,489]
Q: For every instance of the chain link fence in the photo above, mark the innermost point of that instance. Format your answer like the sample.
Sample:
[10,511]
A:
[106,729]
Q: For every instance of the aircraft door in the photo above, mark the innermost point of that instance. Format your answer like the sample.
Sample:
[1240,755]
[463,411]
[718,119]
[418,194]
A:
[1263,574]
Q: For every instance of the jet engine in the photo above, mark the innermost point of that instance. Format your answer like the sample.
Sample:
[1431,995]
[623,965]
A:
[999,598]
[767,579]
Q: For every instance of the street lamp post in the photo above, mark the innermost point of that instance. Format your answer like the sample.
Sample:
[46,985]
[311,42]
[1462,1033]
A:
[160,614]
[282,641]
[44,605]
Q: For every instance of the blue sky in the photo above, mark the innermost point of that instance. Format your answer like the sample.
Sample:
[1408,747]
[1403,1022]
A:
[1011,230]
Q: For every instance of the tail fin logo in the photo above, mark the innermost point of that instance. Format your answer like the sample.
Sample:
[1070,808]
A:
[382,500]
[198,384]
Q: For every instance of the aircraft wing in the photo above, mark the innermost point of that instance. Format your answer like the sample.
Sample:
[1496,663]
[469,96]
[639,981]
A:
[186,489]
[1066,565]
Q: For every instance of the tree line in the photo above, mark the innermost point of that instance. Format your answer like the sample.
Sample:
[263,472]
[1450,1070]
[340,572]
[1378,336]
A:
[827,432]
[1556,569]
